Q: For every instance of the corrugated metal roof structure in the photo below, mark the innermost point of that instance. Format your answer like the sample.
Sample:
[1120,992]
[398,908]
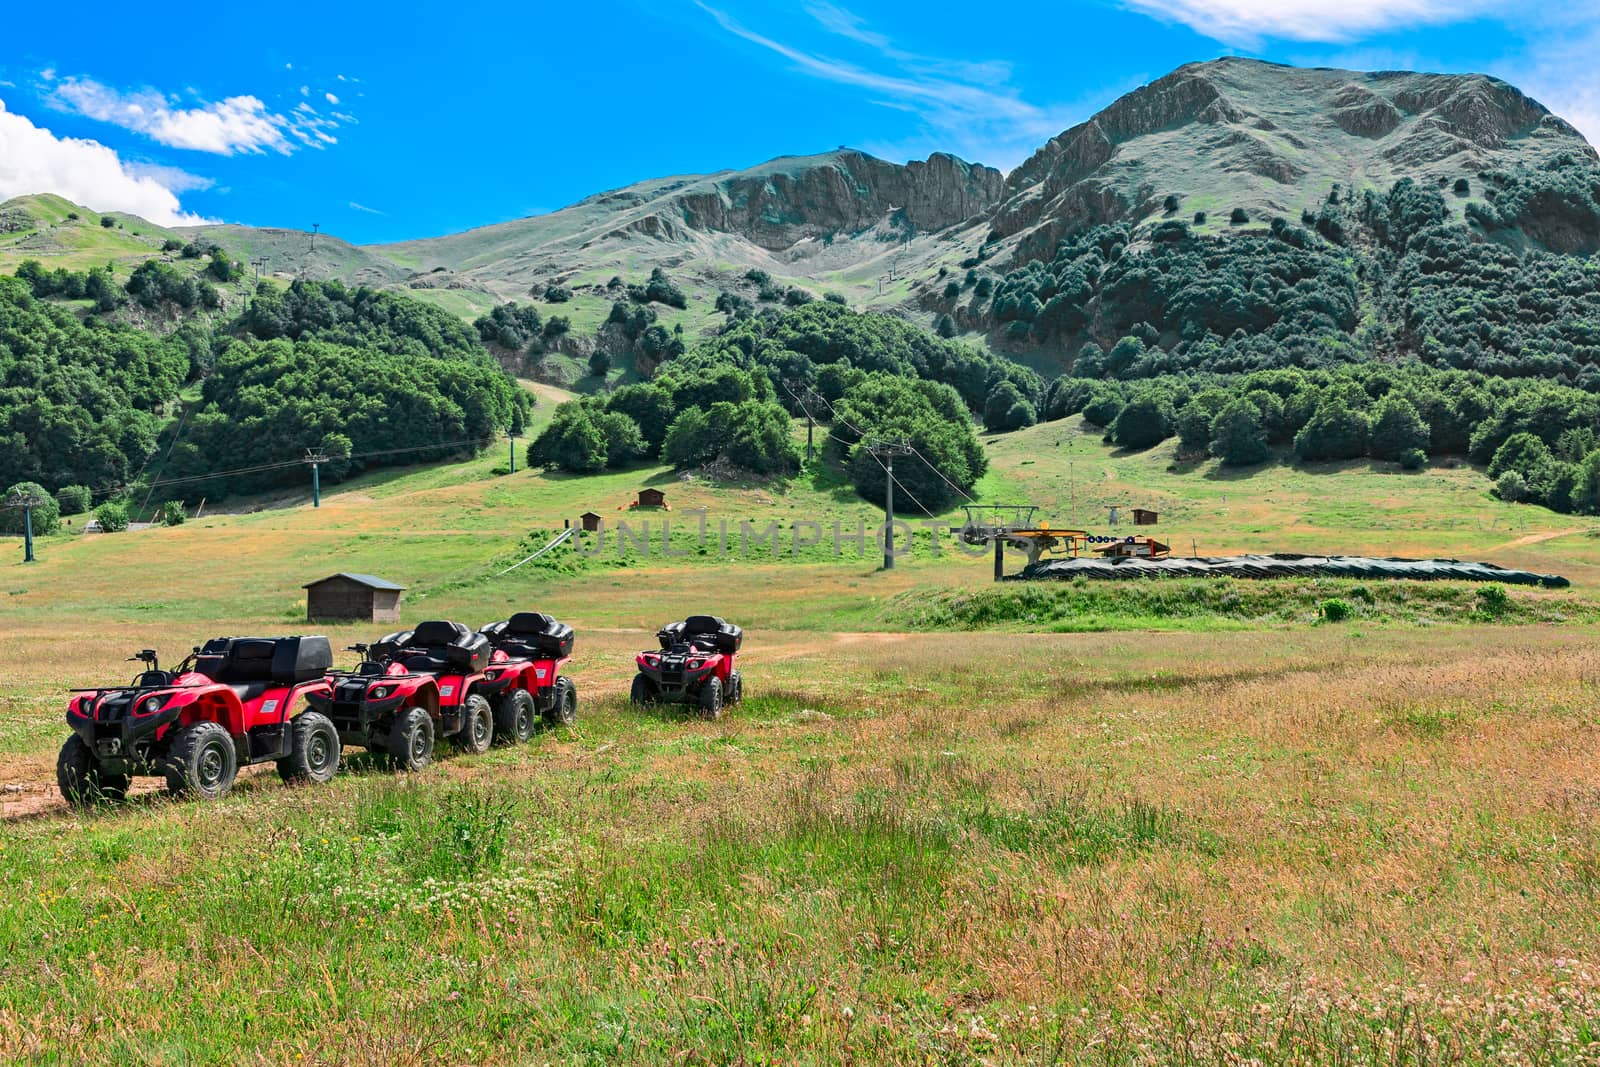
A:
[1287,565]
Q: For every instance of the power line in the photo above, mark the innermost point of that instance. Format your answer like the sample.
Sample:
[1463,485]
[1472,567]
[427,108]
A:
[862,437]
[941,474]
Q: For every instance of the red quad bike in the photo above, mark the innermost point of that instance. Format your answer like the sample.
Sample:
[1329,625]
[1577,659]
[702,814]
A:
[531,648]
[695,666]
[230,703]
[415,686]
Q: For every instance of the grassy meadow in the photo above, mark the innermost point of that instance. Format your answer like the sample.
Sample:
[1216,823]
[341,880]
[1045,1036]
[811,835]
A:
[954,822]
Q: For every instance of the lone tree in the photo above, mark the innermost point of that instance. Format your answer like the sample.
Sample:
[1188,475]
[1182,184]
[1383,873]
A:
[600,363]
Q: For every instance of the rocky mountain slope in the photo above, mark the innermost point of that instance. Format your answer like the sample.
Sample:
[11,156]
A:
[1271,140]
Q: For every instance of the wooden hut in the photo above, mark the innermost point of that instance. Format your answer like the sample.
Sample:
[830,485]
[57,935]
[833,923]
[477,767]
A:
[352,597]
[590,521]
[651,498]
[1143,517]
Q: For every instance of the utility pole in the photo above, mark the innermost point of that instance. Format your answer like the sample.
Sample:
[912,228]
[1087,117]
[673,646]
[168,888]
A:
[315,226]
[27,502]
[316,457]
[885,451]
[806,396]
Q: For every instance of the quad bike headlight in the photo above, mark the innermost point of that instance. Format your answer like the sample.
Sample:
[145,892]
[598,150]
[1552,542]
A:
[380,692]
[151,705]
[695,664]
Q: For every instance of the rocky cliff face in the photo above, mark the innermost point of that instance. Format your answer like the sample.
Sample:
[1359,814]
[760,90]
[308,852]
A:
[789,200]
[1272,140]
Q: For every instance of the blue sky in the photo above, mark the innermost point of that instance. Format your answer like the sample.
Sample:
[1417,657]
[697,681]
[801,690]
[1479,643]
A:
[409,120]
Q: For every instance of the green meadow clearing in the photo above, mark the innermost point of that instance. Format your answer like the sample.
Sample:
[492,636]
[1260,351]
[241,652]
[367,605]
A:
[954,822]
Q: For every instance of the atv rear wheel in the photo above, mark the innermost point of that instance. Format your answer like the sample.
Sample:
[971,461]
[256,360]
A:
[314,752]
[477,726]
[711,699]
[735,688]
[411,740]
[81,779]
[201,761]
[564,712]
[514,717]
[643,692]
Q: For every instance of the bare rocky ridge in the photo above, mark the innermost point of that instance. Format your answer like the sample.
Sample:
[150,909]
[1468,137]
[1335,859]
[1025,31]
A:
[1270,139]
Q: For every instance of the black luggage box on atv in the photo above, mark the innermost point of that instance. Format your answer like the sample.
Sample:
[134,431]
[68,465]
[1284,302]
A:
[458,647]
[531,635]
[280,660]
[724,636]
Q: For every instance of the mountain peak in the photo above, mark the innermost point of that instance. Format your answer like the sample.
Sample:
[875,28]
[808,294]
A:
[1271,139]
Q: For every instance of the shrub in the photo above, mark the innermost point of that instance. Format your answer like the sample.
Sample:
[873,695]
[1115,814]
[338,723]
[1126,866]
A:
[112,516]
[1239,216]
[557,294]
[1144,423]
[1199,218]
[945,327]
[46,513]
[1511,487]
[1335,610]
[600,363]
[108,222]
[1413,459]
[1493,600]
[1237,436]
[1170,204]
[73,499]
[1396,428]
[173,514]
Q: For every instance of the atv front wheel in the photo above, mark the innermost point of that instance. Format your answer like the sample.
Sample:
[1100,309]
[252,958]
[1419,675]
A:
[735,688]
[314,752]
[202,761]
[81,779]
[711,699]
[564,712]
[514,717]
[643,692]
[477,726]
[411,740]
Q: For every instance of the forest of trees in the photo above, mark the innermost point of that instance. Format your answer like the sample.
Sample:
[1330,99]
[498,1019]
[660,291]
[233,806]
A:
[1543,434]
[1380,276]
[374,377]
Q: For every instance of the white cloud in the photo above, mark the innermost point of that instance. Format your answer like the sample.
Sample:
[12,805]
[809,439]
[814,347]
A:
[1248,22]
[305,90]
[175,179]
[34,160]
[238,124]
[969,107]
[369,210]
[330,98]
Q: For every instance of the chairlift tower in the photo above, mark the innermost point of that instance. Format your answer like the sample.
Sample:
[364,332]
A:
[884,450]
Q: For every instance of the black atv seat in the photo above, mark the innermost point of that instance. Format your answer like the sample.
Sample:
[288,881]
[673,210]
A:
[530,635]
[707,632]
[446,647]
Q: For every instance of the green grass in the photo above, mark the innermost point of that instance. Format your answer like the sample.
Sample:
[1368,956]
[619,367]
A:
[1211,825]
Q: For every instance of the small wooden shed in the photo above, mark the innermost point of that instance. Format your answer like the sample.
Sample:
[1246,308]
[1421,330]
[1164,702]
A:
[651,498]
[1142,517]
[359,597]
[590,521]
